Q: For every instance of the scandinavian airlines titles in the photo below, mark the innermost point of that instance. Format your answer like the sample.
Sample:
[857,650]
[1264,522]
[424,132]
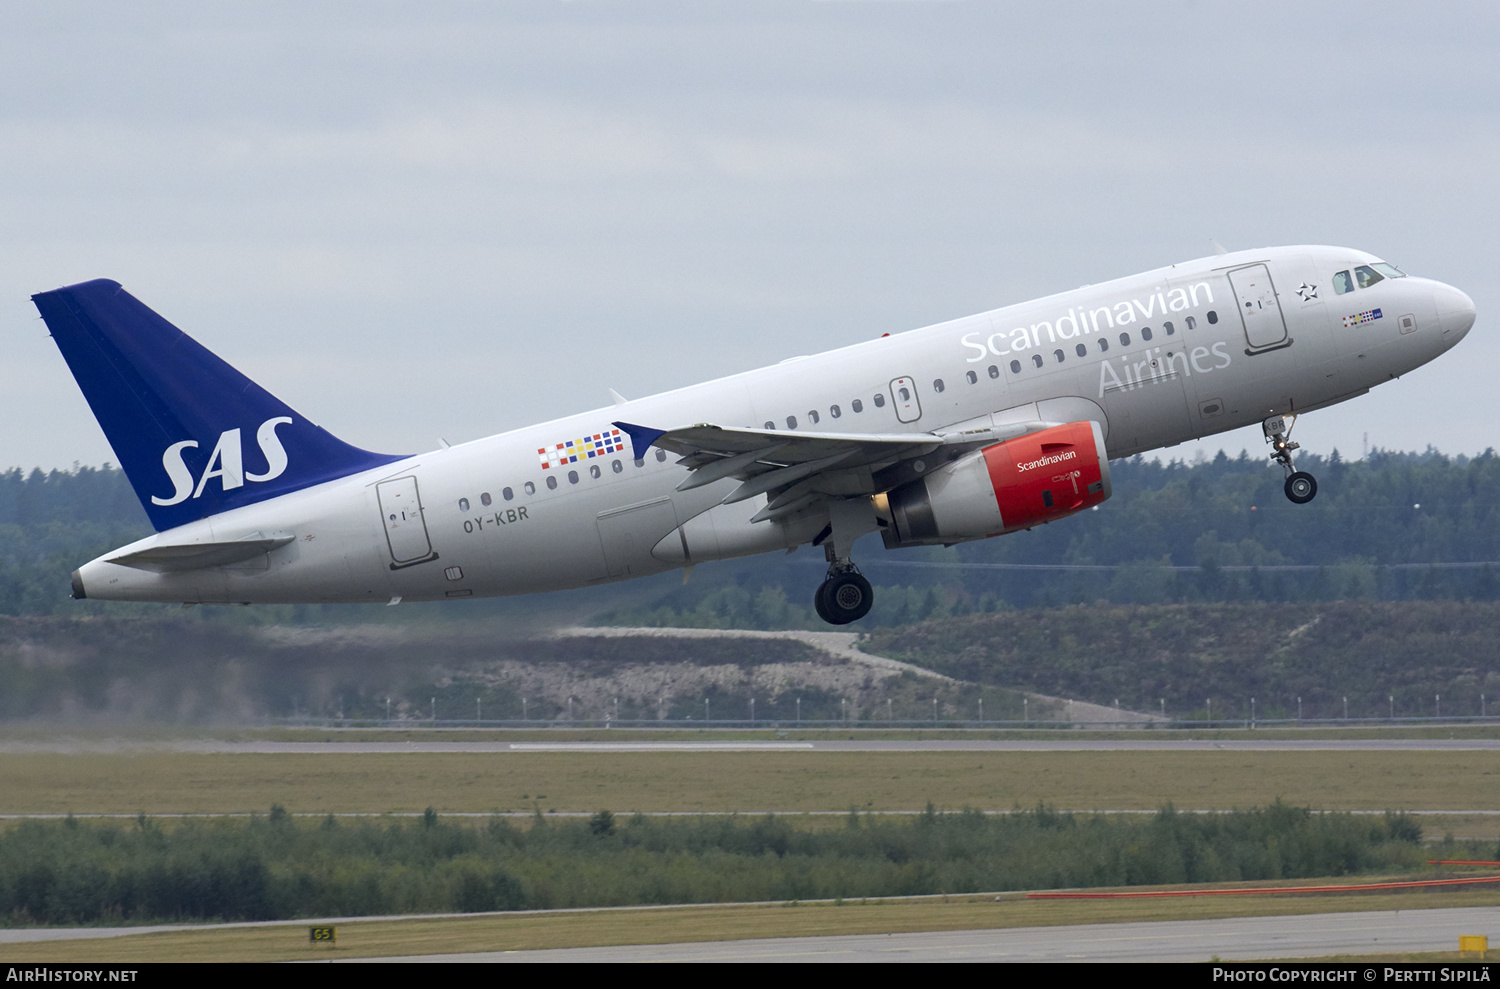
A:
[1079,320]
[1135,369]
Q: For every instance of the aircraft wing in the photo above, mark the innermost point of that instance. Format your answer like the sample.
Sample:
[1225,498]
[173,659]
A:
[795,469]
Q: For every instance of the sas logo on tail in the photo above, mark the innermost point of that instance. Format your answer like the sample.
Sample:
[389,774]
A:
[225,463]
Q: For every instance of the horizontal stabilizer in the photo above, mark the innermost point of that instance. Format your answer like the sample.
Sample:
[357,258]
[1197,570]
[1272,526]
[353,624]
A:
[198,556]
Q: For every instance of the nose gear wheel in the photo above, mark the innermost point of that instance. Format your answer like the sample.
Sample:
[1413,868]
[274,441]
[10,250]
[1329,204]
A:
[1301,487]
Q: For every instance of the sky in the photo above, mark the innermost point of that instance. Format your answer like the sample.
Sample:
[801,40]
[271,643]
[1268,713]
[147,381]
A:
[442,220]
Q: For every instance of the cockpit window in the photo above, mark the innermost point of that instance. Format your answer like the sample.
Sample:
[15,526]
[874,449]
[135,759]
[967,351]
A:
[1388,270]
[1342,283]
[1367,276]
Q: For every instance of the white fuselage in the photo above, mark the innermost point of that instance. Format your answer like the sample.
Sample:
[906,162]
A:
[1192,350]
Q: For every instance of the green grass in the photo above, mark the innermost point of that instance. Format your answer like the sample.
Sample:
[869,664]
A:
[166,782]
[160,782]
[53,736]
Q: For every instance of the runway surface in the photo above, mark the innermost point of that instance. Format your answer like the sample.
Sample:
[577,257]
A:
[1241,938]
[63,745]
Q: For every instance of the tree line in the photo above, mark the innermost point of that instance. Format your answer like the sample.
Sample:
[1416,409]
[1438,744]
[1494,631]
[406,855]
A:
[275,867]
[1391,527]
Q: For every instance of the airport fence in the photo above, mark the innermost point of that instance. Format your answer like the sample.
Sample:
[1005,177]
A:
[880,724]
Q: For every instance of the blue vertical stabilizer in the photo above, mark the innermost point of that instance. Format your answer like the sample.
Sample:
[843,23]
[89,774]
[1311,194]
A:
[195,436]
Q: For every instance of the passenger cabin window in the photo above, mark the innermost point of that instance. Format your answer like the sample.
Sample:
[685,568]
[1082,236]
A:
[1146,333]
[661,456]
[484,499]
[1059,356]
[530,488]
[880,401]
[1081,350]
[1213,317]
[770,425]
[857,406]
[1169,327]
[1036,359]
[1342,283]
[1015,367]
[1103,345]
[835,411]
[639,461]
[994,371]
[937,385]
[572,477]
[507,494]
[594,471]
[616,466]
[973,378]
[552,482]
[1367,276]
[812,416]
[791,422]
[463,504]
[1191,323]
[1124,339]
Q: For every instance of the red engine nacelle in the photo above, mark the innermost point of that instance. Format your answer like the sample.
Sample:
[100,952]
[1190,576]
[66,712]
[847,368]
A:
[1012,485]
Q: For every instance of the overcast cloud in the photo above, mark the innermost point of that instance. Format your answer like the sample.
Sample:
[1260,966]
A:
[414,220]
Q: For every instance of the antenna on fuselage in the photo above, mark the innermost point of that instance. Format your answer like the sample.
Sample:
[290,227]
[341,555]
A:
[1218,247]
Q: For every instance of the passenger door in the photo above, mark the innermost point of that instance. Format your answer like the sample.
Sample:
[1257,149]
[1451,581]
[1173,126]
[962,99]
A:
[1260,310]
[405,528]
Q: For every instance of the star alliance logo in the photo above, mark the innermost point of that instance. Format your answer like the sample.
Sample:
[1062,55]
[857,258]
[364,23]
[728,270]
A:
[1306,292]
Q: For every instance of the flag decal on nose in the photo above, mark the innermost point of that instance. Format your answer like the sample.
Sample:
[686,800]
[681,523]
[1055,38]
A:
[1369,315]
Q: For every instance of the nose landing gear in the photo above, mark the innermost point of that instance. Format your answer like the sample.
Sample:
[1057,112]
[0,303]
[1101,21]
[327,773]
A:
[1301,487]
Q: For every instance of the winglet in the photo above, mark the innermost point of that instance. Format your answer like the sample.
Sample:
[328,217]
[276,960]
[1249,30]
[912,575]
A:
[641,437]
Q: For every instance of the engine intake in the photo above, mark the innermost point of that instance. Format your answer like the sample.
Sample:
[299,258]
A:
[1012,485]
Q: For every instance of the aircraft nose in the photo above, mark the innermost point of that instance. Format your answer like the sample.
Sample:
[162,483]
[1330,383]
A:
[1455,312]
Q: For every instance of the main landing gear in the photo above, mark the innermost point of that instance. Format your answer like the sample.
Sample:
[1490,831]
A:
[1301,487]
[845,595]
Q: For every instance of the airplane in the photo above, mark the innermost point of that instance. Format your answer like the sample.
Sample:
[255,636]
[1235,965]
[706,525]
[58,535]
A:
[958,431]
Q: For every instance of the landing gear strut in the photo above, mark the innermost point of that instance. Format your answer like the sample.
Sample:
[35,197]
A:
[844,596]
[1301,487]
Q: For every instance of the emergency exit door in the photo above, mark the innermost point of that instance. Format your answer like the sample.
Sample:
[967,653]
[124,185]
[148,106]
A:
[904,397]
